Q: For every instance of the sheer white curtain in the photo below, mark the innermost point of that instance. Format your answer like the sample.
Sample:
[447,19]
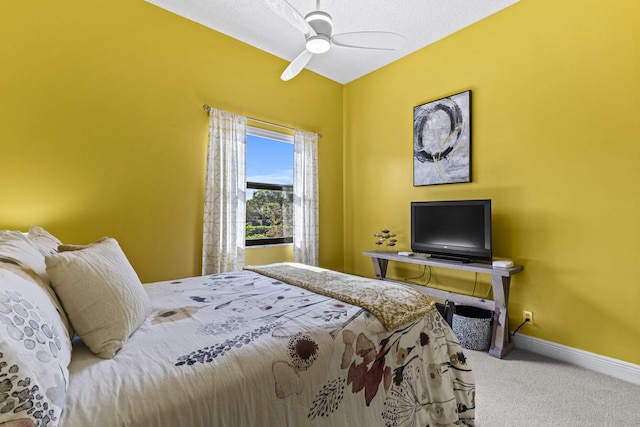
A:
[225,191]
[305,195]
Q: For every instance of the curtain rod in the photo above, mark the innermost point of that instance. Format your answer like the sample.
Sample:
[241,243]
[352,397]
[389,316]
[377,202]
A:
[206,108]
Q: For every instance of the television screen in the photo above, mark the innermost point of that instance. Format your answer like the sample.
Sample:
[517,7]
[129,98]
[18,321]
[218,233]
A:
[459,230]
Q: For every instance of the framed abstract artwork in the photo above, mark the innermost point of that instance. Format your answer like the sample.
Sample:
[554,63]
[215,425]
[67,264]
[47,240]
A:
[442,141]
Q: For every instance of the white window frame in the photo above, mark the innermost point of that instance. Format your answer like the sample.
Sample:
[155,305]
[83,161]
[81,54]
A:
[281,137]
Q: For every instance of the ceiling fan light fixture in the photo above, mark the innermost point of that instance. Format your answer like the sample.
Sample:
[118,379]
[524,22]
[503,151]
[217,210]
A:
[319,43]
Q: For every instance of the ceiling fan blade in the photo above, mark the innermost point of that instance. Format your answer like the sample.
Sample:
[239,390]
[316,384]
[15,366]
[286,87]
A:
[296,65]
[291,15]
[379,40]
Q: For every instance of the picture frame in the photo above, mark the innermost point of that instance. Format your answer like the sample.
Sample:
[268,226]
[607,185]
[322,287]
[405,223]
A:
[442,140]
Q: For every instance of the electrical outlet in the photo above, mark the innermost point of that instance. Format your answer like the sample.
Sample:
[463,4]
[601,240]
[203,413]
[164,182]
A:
[527,315]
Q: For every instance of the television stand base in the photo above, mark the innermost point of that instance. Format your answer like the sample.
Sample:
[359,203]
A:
[501,340]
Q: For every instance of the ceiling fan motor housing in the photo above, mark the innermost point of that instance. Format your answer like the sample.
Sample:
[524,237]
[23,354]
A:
[320,21]
[322,24]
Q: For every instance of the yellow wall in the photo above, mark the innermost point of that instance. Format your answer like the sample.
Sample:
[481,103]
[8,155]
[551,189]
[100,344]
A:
[102,130]
[555,145]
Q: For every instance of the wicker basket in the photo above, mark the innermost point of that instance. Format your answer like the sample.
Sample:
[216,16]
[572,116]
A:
[473,327]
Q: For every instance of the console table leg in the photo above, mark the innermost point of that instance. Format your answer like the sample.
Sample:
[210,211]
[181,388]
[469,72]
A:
[501,341]
[380,267]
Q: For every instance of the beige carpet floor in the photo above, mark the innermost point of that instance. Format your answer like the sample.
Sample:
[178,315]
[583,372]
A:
[526,389]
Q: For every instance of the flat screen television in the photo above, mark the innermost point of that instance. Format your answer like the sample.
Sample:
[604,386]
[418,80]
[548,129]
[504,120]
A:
[457,230]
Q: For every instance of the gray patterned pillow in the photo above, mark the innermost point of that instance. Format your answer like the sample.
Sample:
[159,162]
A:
[19,255]
[35,352]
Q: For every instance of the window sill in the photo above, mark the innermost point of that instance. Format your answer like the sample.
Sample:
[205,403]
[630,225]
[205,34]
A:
[268,245]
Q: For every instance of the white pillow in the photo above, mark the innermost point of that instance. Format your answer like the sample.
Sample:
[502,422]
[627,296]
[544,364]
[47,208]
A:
[34,353]
[17,247]
[44,241]
[19,255]
[101,294]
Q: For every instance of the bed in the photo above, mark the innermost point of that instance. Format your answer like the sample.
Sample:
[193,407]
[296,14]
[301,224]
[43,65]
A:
[277,345]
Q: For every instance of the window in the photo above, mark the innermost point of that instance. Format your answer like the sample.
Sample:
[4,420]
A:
[269,217]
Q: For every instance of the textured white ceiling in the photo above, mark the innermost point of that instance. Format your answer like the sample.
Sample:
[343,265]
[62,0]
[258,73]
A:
[421,22]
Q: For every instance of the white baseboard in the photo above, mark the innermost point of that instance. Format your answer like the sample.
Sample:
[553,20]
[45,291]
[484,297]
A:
[605,365]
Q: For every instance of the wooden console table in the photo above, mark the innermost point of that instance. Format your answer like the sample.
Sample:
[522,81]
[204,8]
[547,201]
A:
[501,341]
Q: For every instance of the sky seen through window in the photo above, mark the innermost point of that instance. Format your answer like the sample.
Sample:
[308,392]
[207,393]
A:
[268,161]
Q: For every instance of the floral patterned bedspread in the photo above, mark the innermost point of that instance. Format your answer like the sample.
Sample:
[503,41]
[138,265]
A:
[241,349]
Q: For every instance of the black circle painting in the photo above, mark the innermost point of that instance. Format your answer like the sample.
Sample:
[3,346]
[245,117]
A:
[442,141]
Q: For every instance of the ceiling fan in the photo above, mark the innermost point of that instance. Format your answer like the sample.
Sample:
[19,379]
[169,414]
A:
[317,28]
